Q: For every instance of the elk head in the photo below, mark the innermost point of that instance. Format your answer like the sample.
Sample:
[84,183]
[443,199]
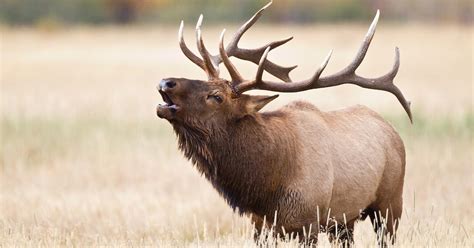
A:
[221,100]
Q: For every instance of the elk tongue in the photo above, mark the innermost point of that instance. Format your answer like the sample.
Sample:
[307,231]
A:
[172,107]
[166,98]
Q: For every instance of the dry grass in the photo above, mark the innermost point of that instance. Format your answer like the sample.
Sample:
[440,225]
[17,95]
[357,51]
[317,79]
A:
[85,161]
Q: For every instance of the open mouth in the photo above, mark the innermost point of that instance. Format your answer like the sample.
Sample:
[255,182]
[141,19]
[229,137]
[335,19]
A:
[168,103]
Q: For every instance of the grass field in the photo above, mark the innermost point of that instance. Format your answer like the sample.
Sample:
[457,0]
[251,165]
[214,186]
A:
[85,161]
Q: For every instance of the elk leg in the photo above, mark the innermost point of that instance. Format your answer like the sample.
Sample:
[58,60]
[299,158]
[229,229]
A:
[380,226]
[341,234]
[385,220]
[258,226]
[263,231]
[305,239]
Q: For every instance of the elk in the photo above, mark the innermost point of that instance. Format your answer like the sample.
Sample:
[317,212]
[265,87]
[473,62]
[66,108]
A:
[296,167]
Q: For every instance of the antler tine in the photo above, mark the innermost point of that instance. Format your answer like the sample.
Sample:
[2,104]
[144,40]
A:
[258,76]
[188,53]
[385,82]
[234,74]
[248,85]
[233,45]
[210,63]
[389,77]
[345,76]
[296,86]
[365,46]
[254,55]
[272,45]
[212,71]
[321,68]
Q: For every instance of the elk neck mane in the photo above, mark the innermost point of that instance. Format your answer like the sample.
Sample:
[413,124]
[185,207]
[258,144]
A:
[245,160]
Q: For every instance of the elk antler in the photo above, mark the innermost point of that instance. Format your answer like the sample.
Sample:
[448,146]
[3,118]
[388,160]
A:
[211,69]
[348,75]
[252,55]
[345,76]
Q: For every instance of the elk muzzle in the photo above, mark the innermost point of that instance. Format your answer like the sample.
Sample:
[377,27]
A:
[168,109]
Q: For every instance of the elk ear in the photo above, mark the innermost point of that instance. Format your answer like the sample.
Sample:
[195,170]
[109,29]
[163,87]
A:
[255,103]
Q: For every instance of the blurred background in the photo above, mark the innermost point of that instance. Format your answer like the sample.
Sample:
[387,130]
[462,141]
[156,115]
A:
[66,12]
[84,160]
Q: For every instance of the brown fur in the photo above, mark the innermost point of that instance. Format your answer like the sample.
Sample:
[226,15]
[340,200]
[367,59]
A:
[298,160]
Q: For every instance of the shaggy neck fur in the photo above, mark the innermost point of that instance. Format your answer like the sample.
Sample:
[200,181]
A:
[246,161]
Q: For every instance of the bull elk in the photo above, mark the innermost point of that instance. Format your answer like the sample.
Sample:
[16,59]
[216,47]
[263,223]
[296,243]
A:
[296,167]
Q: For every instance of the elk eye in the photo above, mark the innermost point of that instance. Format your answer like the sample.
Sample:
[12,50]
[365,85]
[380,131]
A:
[216,97]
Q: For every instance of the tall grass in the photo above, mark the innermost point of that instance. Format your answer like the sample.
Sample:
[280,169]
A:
[85,162]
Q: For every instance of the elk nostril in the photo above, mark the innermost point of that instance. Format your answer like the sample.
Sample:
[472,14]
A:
[167,84]
[170,84]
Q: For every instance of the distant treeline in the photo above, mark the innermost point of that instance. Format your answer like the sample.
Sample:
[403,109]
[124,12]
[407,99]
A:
[32,12]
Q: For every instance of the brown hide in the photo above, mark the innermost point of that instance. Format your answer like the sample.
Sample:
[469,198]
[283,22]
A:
[299,161]
[312,168]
